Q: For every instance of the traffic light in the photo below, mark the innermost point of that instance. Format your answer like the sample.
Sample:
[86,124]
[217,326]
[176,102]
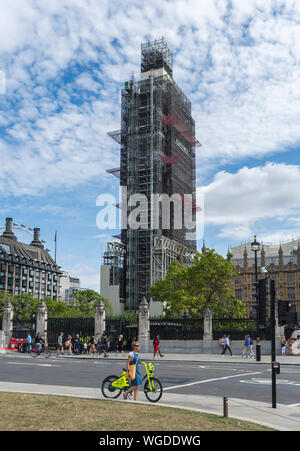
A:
[261,299]
[283,309]
[286,314]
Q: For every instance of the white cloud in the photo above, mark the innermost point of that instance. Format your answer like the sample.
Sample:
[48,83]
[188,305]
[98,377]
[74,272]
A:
[235,202]
[239,66]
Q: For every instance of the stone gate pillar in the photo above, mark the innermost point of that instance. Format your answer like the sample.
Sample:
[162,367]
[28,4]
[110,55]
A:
[7,321]
[207,332]
[99,319]
[41,320]
[144,325]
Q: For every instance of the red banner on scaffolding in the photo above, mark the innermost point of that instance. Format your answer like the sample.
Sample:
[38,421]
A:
[176,121]
[171,159]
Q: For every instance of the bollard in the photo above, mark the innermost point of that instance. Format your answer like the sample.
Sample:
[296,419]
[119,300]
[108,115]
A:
[225,407]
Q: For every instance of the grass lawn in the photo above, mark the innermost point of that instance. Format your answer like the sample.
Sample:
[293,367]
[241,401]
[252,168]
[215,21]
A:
[26,412]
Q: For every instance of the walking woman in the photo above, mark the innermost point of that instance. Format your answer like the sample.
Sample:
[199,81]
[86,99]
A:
[156,343]
[133,361]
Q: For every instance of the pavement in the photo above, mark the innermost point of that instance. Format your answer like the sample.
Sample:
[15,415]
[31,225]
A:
[283,418]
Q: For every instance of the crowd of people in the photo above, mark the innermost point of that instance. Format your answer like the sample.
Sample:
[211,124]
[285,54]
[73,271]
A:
[93,345]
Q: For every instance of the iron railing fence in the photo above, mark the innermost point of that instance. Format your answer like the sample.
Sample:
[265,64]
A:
[21,328]
[176,328]
[238,328]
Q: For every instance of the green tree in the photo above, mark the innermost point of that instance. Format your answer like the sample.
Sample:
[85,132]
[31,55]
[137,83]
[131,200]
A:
[4,297]
[204,283]
[25,306]
[86,300]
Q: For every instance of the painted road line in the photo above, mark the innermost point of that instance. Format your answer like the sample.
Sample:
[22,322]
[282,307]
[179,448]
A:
[34,364]
[210,380]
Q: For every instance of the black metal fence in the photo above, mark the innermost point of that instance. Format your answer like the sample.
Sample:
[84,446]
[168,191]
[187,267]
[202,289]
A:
[85,327]
[238,328]
[22,327]
[177,329]
[82,326]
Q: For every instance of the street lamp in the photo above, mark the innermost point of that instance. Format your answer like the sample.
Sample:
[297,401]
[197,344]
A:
[275,367]
[255,247]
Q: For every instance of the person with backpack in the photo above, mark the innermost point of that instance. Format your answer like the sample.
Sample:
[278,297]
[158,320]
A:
[251,347]
[246,347]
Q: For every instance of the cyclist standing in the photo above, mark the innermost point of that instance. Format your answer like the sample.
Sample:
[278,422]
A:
[134,359]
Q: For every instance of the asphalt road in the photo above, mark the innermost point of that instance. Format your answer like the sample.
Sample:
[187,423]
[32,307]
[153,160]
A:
[243,381]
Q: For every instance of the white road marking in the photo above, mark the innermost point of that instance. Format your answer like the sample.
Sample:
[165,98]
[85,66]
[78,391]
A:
[269,381]
[28,363]
[210,380]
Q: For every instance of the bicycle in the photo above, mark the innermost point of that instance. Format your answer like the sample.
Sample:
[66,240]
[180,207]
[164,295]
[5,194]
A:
[113,386]
[44,351]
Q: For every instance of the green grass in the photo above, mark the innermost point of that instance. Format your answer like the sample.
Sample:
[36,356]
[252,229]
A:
[58,413]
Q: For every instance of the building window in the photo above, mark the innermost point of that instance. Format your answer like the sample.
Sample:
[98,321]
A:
[291,277]
[291,293]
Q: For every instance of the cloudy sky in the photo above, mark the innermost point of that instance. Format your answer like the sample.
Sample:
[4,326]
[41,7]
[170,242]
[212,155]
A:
[62,66]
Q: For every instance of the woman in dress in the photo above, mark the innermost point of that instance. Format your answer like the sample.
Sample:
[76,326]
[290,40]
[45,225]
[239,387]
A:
[134,359]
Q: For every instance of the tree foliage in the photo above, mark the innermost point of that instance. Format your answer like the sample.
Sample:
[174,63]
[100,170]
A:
[204,283]
[26,306]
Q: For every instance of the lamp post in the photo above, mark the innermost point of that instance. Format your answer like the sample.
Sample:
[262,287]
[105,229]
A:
[255,247]
[275,367]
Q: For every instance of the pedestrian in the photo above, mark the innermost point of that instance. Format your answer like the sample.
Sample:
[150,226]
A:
[156,344]
[226,344]
[92,345]
[60,349]
[68,344]
[120,345]
[283,346]
[104,344]
[246,347]
[250,344]
[28,343]
[77,344]
[39,342]
[133,371]
[85,348]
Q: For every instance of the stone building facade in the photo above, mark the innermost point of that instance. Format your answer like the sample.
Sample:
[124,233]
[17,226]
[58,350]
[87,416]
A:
[283,264]
[27,268]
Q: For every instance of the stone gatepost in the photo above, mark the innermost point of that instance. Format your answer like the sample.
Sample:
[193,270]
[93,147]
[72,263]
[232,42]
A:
[42,320]
[207,332]
[99,319]
[144,325]
[7,322]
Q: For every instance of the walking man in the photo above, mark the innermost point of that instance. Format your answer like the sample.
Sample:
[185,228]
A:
[60,349]
[226,344]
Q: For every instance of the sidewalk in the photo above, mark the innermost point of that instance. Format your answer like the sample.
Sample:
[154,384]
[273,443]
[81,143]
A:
[283,418]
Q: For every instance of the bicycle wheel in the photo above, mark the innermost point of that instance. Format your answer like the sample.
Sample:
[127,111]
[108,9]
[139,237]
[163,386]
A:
[46,353]
[34,352]
[153,395]
[107,390]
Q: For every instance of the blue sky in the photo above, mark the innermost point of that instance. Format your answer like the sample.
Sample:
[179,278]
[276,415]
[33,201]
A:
[64,65]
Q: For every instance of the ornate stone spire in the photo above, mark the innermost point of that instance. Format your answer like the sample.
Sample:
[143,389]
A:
[280,253]
[263,257]
[203,250]
[245,259]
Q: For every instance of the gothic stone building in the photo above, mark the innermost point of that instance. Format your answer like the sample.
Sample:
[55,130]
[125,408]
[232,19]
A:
[283,263]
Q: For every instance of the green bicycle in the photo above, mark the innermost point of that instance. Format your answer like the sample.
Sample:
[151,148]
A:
[112,386]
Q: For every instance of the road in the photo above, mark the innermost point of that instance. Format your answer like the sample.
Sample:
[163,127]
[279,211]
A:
[236,380]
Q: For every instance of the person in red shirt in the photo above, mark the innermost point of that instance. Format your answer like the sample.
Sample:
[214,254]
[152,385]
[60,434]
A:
[156,347]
